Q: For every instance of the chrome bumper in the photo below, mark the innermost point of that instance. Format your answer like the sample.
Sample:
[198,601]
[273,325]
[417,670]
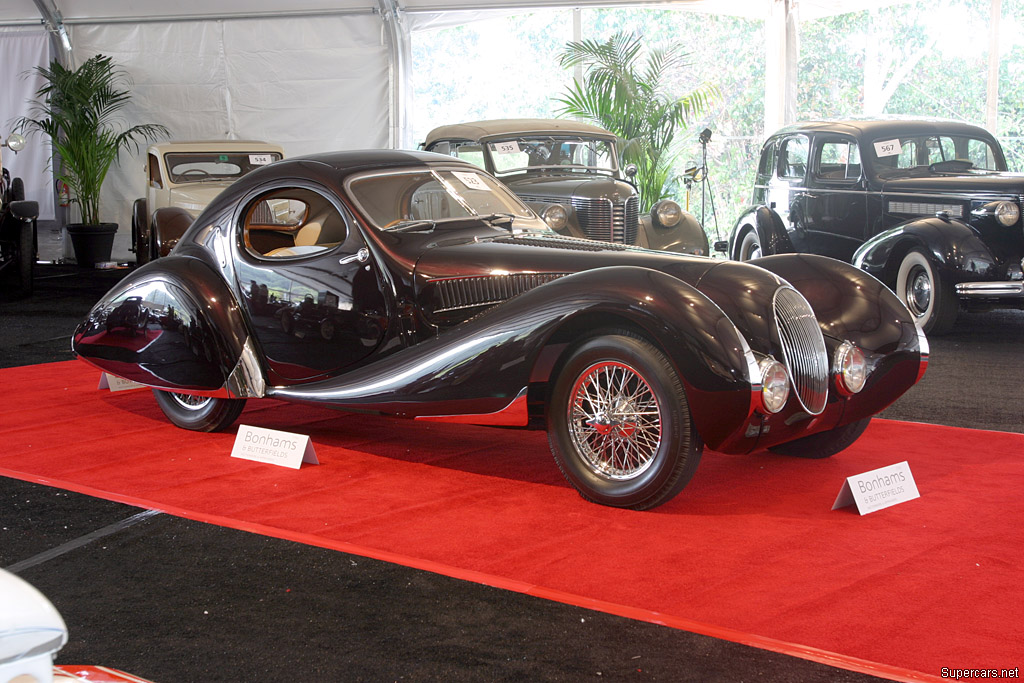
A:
[990,290]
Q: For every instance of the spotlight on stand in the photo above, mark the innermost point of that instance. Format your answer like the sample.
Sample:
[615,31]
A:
[706,193]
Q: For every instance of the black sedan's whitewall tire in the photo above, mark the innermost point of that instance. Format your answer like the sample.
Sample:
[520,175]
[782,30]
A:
[931,300]
[750,246]
[619,424]
[199,413]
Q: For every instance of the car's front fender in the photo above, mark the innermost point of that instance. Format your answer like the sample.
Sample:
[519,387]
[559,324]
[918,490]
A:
[686,237]
[955,249]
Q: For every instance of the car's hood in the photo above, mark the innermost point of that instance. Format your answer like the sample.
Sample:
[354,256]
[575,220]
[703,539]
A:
[464,273]
[195,197]
[959,183]
[559,187]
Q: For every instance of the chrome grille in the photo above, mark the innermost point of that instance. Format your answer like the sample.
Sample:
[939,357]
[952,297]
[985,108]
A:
[595,217]
[466,292]
[632,220]
[803,348]
[925,208]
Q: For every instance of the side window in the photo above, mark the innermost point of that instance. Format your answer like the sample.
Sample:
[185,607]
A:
[764,169]
[291,222]
[154,173]
[469,151]
[793,158]
[838,160]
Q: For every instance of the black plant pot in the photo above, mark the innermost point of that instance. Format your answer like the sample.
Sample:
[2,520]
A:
[92,243]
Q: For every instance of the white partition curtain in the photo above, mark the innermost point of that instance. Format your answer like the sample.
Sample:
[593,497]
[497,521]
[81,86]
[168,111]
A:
[311,84]
[21,51]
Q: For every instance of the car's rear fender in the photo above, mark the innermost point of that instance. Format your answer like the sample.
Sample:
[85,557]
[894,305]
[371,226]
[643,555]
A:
[954,248]
[771,232]
[194,339]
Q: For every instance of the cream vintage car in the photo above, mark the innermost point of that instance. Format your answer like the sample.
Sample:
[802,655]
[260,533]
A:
[181,179]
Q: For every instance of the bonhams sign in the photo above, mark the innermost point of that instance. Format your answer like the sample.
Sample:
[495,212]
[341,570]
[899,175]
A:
[878,489]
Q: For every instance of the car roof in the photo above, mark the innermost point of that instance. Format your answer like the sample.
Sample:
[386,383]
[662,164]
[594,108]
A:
[881,127]
[215,146]
[478,130]
[342,164]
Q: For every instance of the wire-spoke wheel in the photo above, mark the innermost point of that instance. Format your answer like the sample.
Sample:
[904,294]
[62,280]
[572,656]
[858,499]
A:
[199,413]
[619,424]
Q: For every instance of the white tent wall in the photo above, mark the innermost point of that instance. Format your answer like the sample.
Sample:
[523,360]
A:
[21,51]
[311,84]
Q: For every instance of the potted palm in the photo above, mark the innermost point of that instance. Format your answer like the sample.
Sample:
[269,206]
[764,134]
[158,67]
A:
[629,96]
[78,109]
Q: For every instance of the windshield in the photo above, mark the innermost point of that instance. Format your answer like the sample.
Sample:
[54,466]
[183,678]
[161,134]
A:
[566,153]
[390,200]
[894,155]
[196,167]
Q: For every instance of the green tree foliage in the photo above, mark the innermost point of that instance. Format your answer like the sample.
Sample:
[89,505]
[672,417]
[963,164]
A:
[623,90]
[78,109]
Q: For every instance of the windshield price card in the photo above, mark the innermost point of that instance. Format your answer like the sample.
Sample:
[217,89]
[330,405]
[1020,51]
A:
[878,489]
[274,447]
[888,148]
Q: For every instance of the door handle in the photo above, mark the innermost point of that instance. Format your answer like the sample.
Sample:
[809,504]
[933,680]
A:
[362,255]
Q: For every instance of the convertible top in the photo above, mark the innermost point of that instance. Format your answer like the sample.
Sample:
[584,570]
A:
[478,130]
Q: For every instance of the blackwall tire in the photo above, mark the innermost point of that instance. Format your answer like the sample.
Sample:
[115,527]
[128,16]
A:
[823,444]
[619,423]
[198,413]
[750,246]
[929,298]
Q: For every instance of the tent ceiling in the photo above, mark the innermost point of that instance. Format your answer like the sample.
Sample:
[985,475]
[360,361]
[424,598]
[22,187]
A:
[27,12]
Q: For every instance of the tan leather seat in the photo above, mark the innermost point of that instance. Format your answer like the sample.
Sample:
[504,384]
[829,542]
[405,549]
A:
[305,242]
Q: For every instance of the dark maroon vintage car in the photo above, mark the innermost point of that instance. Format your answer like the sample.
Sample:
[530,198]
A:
[416,285]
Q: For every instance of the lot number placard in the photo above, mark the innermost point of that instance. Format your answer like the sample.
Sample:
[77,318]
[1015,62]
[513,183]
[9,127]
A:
[274,447]
[878,489]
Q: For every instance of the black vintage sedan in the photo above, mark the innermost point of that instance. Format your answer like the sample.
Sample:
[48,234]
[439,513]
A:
[924,205]
[450,300]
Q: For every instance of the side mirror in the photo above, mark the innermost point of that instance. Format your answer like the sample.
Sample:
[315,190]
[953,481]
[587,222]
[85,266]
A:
[630,171]
[14,142]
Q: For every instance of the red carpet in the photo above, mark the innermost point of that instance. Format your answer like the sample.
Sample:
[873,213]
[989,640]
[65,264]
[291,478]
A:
[750,551]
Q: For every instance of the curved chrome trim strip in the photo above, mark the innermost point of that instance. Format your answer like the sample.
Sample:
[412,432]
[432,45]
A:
[803,350]
[925,350]
[514,414]
[246,379]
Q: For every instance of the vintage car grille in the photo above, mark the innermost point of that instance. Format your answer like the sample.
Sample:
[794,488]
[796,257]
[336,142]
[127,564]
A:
[803,348]
[603,219]
[467,292]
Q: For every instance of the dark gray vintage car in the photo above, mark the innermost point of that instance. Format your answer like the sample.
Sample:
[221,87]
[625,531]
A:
[926,206]
[568,172]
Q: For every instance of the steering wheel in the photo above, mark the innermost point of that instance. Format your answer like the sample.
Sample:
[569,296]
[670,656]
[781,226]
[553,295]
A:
[952,166]
[196,171]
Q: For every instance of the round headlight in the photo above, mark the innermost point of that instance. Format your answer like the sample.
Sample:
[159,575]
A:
[667,212]
[15,142]
[774,385]
[555,216]
[851,369]
[1007,213]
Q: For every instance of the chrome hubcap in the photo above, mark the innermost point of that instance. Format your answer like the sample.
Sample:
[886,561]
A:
[919,291]
[615,420]
[190,402]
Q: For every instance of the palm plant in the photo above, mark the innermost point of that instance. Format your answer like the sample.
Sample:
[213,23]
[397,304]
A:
[630,100]
[78,110]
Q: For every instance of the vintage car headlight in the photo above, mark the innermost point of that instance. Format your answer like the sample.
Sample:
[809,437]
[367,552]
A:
[774,384]
[555,216]
[851,369]
[1007,213]
[667,213]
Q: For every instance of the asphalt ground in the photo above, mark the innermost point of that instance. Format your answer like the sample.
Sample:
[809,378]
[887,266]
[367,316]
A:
[176,600]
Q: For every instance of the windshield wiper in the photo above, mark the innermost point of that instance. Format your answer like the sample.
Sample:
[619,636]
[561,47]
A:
[410,225]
